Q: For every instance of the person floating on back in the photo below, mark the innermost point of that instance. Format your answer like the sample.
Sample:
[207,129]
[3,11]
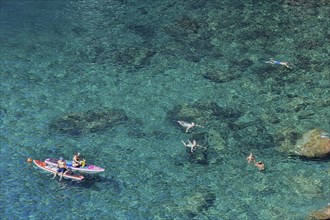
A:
[275,62]
[192,145]
[189,125]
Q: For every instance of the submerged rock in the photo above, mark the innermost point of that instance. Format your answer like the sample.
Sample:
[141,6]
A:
[200,154]
[220,76]
[136,57]
[199,202]
[252,133]
[321,214]
[315,143]
[307,186]
[183,27]
[215,141]
[216,145]
[76,124]
[194,204]
[286,139]
[202,111]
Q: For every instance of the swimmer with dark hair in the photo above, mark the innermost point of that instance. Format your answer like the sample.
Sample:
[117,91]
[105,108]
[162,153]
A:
[260,165]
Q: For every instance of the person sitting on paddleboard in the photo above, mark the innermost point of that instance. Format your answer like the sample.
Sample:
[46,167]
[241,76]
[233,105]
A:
[77,161]
[62,168]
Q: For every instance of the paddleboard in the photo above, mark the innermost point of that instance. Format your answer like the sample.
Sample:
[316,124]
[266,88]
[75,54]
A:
[88,168]
[44,166]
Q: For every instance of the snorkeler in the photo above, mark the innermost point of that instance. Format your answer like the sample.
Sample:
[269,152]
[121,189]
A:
[189,125]
[274,62]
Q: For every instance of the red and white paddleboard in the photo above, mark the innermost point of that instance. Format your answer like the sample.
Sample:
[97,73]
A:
[44,166]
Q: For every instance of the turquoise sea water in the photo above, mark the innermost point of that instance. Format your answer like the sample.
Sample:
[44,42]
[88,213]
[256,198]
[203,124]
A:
[110,78]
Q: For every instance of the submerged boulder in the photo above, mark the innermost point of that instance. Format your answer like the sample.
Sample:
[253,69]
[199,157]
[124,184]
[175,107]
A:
[136,57]
[193,204]
[183,27]
[219,76]
[76,124]
[315,143]
[202,111]
[321,214]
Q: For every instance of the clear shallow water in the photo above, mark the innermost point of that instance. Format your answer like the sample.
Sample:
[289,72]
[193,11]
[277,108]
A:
[62,58]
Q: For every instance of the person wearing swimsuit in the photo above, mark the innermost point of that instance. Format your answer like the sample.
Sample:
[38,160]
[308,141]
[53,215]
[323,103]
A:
[275,62]
[62,168]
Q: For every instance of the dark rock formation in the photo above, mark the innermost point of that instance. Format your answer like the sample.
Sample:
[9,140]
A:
[321,214]
[203,111]
[136,57]
[93,121]
[220,76]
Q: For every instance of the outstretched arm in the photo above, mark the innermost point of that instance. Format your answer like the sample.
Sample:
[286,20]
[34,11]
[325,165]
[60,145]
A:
[190,126]
[200,146]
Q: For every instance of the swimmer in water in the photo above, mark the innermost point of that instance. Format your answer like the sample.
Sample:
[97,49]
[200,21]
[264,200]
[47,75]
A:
[189,125]
[275,62]
[192,145]
[260,165]
[250,158]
